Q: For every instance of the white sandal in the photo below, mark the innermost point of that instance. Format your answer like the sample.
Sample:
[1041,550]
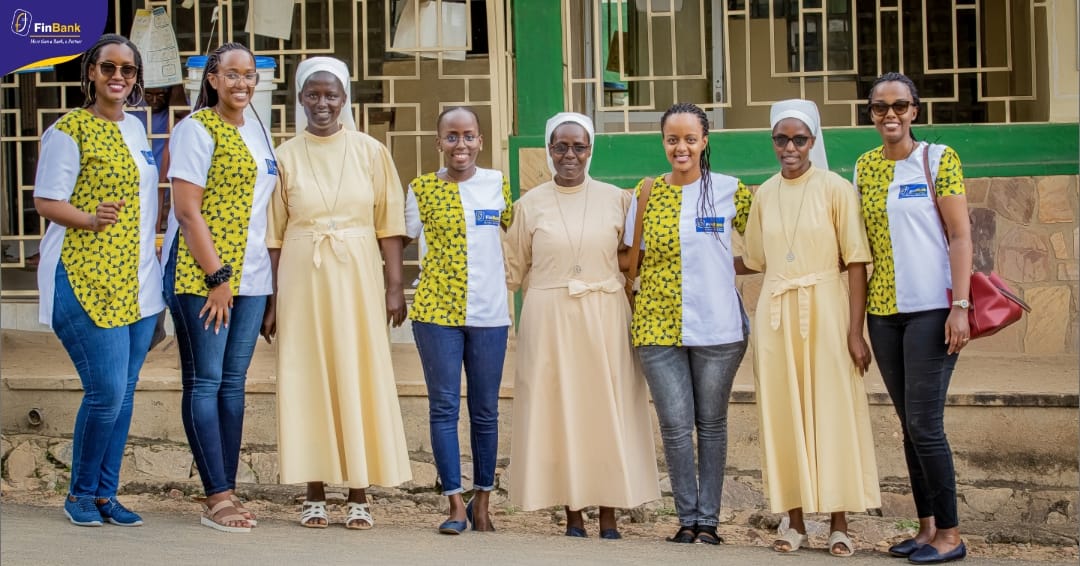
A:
[359,517]
[844,541]
[312,510]
[792,538]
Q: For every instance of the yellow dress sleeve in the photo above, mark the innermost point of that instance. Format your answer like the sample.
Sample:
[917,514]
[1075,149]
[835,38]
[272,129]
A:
[278,219]
[508,211]
[950,175]
[753,243]
[517,248]
[389,197]
[848,221]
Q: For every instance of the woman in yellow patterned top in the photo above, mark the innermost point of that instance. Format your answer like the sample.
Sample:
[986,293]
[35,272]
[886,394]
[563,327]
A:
[689,327]
[98,275]
[915,208]
[460,312]
[217,268]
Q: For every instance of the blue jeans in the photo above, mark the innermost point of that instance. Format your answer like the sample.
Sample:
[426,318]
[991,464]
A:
[108,361]
[916,368]
[690,387]
[442,351]
[213,369]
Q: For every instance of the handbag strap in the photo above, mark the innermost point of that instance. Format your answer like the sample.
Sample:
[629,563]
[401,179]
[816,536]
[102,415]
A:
[639,220]
[933,189]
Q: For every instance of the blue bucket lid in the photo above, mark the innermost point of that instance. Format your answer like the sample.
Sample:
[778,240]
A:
[199,62]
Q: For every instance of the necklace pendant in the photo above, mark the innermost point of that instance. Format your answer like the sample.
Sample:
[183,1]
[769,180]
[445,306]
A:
[790,256]
[333,226]
[577,270]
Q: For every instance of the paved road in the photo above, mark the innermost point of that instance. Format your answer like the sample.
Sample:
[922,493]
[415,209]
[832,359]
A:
[33,535]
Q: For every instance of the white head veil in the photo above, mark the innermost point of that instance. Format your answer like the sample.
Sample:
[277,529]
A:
[335,67]
[806,112]
[568,118]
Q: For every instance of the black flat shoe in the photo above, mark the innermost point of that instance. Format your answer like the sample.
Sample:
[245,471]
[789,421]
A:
[904,548]
[685,535]
[929,555]
[706,534]
[576,532]
[610,534]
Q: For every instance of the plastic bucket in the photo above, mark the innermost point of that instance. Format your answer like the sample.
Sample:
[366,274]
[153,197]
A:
[264,91]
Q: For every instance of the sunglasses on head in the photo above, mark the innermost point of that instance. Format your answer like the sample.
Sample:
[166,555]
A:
[109,69]
[781,141]
[898,107]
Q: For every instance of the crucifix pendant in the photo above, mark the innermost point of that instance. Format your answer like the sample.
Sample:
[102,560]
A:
[791,256]
[577,270]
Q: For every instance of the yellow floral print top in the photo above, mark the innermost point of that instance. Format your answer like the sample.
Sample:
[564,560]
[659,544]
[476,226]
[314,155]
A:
[910,255]
[687,295]
[462,278]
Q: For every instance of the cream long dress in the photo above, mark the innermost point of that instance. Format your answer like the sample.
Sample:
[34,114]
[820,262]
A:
[582,425]
[816,440]
[338,415]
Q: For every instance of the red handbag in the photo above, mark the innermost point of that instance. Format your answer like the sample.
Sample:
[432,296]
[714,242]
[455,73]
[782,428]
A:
[993,304]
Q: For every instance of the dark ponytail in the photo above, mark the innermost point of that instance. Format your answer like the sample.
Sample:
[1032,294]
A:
[901,78]
[208,96]
[90,59]
[705,206]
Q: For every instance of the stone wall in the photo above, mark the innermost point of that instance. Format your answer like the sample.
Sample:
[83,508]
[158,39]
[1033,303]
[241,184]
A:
[1025,229]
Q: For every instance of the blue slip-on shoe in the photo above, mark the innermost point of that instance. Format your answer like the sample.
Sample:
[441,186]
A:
[929,555]
[113,512]
[576,532]
[610,534]
[82,511]
[450,527]
[904,548]
[469,517]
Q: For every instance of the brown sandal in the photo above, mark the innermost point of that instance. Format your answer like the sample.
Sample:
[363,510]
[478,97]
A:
[243,510]
[211,519]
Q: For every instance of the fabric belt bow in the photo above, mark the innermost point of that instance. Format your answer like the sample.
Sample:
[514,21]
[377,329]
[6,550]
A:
[579,288]
[781,285]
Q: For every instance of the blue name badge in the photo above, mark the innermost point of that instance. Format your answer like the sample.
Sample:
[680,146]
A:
[913,191]
[149,156]
[488,218]
[709,224]
[271,167]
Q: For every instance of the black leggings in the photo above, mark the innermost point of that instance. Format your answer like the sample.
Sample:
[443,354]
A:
[916,367]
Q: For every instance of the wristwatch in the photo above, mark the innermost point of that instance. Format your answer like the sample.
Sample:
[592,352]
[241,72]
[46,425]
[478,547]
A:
[962,303]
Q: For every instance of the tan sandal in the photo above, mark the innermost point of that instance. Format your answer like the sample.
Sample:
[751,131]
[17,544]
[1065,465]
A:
[792,538]
[243,510]
[211,519]
[840,538]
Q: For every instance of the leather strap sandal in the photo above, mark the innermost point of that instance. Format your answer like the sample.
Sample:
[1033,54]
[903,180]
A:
[359,517]
[212,517]
[311,511]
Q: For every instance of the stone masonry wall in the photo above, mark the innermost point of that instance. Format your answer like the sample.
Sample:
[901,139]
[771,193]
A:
[1025,229]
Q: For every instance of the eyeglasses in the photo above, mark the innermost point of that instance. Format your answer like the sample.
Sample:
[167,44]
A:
[454,138]
[898,107]
[562,149]
[781,141]
[109,69]
[234,78]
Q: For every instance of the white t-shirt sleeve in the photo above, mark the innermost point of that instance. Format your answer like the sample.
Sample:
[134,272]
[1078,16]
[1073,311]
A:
[190,151]
[58,166]
[412,216]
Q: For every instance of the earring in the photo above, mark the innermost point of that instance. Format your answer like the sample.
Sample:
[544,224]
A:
[137,99]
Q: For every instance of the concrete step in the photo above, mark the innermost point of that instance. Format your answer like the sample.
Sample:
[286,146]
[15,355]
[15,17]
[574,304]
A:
[1011,418]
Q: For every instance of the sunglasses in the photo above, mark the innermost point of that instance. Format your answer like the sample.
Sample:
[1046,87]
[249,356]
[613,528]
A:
[109,69]
[899,107]
[781,141]
[562,149]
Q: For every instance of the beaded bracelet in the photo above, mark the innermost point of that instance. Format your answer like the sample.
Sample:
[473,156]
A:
[218,277]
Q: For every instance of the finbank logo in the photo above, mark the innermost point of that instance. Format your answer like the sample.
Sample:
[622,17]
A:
[20,22]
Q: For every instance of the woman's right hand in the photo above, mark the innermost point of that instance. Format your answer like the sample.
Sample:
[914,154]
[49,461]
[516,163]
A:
[216,309]
[860,352]
[269,324]
[106,214]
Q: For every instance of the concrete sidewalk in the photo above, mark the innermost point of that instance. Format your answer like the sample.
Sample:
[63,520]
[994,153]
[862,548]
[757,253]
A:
[36,535]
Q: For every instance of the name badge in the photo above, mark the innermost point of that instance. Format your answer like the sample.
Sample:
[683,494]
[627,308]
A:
[709,224]
[149,156]
[271,167]
[488,218]
[913,191]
